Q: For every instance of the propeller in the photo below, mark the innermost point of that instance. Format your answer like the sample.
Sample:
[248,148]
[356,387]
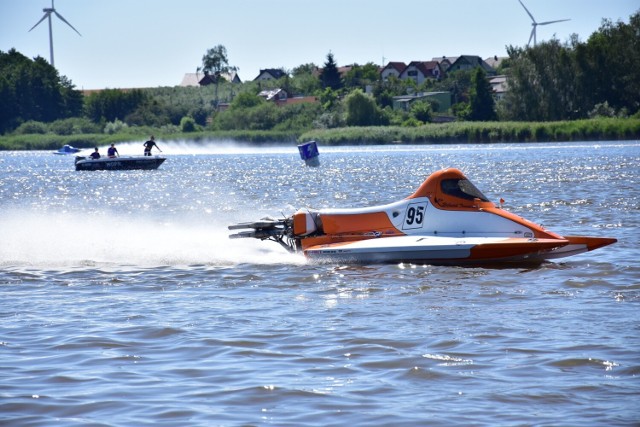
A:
[47,15]
[535,24]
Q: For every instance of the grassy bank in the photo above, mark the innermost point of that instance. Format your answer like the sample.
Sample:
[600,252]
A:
[601,129]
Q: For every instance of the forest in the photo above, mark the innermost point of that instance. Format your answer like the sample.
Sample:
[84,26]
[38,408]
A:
[556,91]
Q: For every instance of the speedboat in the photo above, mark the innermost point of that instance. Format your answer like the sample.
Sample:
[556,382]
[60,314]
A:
[67,149]
[118,163]
[446,221]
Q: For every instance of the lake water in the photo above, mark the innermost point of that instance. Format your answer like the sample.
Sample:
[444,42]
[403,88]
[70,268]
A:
[124,302]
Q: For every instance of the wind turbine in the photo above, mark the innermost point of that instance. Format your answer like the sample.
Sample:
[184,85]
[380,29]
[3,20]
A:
[534,24]
[47,14]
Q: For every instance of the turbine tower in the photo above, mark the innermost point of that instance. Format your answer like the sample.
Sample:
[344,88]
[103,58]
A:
[534,24]
[47,14]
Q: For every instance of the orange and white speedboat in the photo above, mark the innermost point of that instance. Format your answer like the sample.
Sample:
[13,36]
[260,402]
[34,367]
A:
[446,221]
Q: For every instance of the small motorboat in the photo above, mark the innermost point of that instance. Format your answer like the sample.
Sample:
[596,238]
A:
[446,221]
[67,149]
[118,163]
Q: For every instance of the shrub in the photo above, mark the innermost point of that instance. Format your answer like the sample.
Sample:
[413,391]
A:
[31,127]
[187,124]
[114,127]
[62,127]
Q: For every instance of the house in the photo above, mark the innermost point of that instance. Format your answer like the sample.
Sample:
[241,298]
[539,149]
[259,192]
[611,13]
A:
[201,79]
[392,69]
[270,74]
[445,62]
[499,86]
[470,62]
[495,61]
[281,97]
[441,101]
[420,71]
[274,94]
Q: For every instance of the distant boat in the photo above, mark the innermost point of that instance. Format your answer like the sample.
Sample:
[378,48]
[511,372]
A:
[67,149]
[118,163]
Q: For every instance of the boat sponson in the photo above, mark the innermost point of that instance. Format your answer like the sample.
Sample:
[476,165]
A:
[435,249]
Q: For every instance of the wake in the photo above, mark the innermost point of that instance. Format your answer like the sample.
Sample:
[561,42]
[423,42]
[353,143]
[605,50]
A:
[63,240]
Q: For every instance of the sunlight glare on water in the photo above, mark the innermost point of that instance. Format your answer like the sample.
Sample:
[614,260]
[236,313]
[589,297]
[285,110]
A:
[124,302]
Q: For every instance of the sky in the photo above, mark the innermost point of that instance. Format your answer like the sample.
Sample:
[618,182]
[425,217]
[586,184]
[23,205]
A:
[151,43]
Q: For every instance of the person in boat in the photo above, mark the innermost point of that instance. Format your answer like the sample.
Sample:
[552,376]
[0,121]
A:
[95,155]
[149,145]
[113,151]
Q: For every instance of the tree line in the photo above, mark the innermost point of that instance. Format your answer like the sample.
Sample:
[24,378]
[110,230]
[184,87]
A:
[547,82]
[574,80]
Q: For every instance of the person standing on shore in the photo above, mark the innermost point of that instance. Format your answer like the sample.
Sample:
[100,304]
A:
[149,145]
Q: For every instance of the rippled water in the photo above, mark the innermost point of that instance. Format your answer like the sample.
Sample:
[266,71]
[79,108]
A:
[124,302]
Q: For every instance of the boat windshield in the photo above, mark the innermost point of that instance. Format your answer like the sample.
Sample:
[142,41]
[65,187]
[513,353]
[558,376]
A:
[462,188]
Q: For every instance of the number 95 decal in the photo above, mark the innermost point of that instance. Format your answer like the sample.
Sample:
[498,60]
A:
[414,217]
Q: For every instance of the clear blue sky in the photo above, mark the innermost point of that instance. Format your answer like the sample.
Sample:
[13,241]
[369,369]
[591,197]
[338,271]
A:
[149,43]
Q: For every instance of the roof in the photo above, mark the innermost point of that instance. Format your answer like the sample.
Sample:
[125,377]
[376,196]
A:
[427,68]
[473,61]
[398,66]
[495,61]
[405,98]
[498,83]
[272,94]
[450,59]
[274,73]
[196,79]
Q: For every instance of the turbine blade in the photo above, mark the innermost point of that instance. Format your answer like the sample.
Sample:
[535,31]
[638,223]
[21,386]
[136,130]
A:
[527,10]
[67,22]
[42,19]
[533,33]
[553,22]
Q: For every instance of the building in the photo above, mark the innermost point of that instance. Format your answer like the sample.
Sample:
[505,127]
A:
[420,71]
[471,62]
[499,86]
[441,101]
[392,69]
[445,62]
[270,74]
[201,79]
[495,61]
[280,97]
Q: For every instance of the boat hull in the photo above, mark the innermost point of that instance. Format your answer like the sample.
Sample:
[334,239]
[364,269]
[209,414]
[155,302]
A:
[67,149]
[119,163]
[437,250]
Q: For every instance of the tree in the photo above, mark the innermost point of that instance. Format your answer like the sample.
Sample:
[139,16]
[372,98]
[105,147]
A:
[330,76]
[481,103]
[33,90]
[421,111]
[542,83]
[458,83]
[609,65]
[362,109]
[554,81]
[215,63]
[362,75]
[111,104]
[305,79]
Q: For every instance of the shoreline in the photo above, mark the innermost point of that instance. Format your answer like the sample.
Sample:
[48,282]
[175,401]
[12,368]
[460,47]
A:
[600,129]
